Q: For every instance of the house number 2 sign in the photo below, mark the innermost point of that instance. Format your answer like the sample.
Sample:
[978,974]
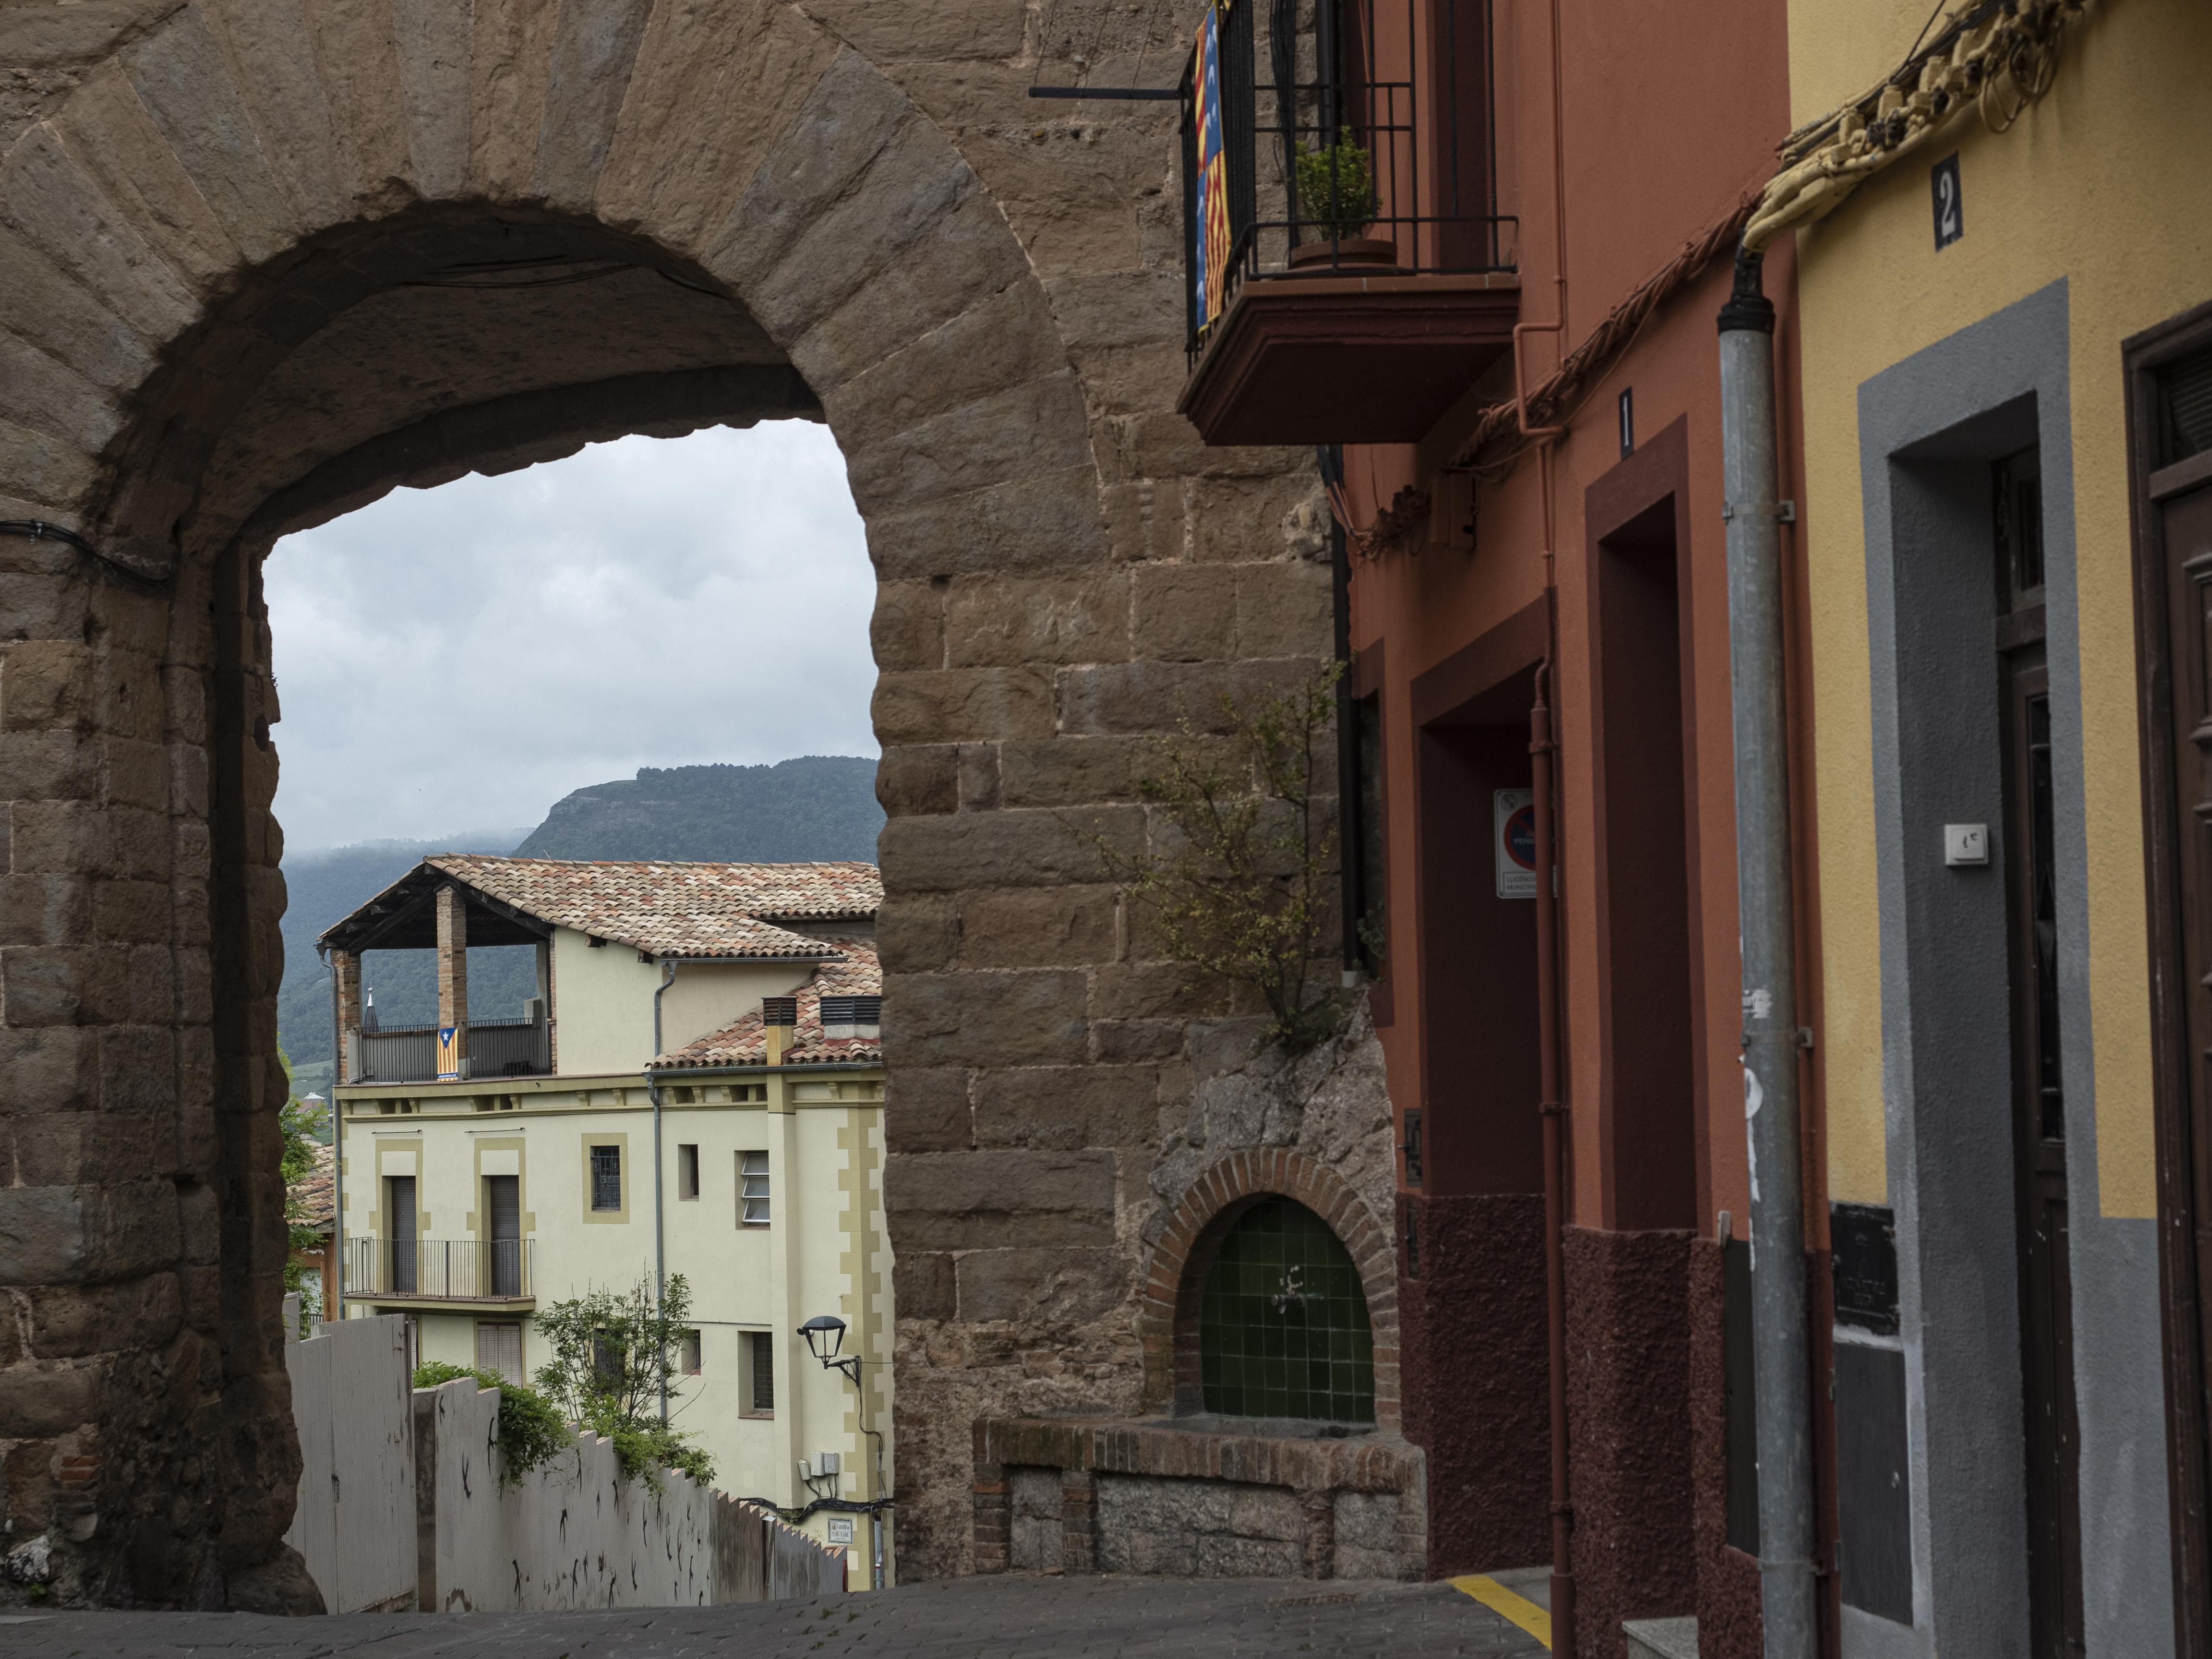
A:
[1950,217]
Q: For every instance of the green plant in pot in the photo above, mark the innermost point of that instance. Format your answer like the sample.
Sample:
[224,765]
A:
[1336,202]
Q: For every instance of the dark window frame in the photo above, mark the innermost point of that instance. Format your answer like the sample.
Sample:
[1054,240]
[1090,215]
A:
[606,1179]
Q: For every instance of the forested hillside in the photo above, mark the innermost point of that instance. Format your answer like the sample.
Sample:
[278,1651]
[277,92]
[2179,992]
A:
[817,807]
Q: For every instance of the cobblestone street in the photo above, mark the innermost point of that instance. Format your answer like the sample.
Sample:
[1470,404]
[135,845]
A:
[987,1617]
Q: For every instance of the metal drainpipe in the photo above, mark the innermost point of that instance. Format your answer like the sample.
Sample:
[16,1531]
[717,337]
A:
[1542,753]
[1351,849]
[1766,904]
[659,1227]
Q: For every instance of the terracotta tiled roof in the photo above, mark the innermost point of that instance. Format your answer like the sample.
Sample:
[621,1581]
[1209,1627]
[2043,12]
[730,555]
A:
[680,909]
[314,1192]
[859,973]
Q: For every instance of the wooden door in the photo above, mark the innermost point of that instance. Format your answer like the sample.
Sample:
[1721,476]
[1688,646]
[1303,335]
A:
[2054,1458]
[2169,401]
[2185,520]
[2038,1093]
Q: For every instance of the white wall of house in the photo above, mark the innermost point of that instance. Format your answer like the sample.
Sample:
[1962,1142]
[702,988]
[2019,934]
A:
[825,1249]
[603,1000]
[707,996]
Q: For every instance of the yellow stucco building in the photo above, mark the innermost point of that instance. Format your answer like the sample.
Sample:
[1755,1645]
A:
[726,1017]
[2006,381]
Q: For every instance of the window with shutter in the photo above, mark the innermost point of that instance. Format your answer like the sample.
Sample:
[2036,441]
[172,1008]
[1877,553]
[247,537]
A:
[752,1188]
[503,1198]
[499,1348]
[760,1373]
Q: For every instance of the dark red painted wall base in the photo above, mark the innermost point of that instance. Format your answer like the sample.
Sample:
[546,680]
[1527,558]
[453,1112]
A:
[1628,1423]
[1728,1579]
[1472,1353]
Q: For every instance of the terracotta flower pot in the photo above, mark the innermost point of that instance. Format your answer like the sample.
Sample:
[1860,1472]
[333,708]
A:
[1346,253]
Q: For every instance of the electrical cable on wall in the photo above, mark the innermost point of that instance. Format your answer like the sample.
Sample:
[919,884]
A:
[39,530]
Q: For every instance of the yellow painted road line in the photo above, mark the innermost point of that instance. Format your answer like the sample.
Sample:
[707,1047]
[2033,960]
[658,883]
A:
[1504,1602]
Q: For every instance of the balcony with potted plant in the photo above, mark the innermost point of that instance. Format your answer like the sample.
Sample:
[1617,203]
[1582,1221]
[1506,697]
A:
[1347,278]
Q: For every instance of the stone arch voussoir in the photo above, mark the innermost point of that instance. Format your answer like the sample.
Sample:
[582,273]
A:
[1167,1313]
[231,202]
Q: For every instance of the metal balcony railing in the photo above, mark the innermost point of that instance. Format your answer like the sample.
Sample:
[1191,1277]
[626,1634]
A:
[409,1053]
[1399,91]
[439,1269]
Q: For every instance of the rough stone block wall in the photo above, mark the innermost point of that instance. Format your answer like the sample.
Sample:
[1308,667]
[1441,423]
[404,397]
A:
[1208,1529]
[210,217]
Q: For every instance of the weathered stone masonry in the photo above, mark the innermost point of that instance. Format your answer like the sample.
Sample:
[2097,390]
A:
[228,231]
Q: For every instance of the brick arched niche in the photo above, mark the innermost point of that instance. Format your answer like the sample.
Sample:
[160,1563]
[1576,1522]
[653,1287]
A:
[1187,1250]
[254,269]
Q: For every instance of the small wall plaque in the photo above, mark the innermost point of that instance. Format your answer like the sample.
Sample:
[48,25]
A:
[1862,1241]
[1950,214]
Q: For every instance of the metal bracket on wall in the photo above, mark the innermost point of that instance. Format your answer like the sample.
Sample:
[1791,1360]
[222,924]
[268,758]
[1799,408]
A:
[1784,512]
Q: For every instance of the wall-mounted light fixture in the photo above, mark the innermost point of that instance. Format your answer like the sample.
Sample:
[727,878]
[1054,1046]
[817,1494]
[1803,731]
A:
[825,1340]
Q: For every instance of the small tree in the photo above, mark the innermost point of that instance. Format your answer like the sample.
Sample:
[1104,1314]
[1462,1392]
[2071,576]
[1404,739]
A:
[300,1126]
[613,1361]
[1239,883]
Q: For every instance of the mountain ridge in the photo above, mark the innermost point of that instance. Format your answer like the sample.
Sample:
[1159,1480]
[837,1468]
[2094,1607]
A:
[809,808]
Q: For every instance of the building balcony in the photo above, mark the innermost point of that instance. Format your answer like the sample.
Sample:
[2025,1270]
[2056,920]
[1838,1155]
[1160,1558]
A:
[409,1053]
[469,1271]
[1346,279]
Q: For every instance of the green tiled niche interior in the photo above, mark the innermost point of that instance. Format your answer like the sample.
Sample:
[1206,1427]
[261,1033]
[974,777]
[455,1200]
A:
[1282,1323]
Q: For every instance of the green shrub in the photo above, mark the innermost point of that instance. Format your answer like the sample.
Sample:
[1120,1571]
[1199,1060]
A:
[530,1430]
[1336,189]
[1240,887]
[644,1446]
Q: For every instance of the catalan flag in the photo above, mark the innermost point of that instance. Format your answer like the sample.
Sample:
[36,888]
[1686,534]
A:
[1210,267]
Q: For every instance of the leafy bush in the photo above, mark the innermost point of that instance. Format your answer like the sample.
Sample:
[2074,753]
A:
[1240,888]
[530,1430]
[299,1125]
[1336,188]
[643,1447]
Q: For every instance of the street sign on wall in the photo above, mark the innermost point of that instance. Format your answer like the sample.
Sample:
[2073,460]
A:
[1513,842]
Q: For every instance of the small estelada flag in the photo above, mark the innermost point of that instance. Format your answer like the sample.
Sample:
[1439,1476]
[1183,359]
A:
[449,1054]
[1210,270]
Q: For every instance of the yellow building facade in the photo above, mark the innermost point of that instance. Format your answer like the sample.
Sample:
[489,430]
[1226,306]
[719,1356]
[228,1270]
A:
[741,1146]
[1988,329]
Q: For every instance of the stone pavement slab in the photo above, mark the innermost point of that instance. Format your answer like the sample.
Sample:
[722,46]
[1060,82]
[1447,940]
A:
[1010,1616]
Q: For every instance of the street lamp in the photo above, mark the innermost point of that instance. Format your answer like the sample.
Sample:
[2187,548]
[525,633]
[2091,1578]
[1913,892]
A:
[825,1340]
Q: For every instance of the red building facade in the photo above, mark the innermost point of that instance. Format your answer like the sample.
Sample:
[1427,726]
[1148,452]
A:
[1511,374]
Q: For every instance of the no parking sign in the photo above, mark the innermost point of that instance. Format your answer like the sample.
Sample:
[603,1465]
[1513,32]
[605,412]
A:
[1513,813]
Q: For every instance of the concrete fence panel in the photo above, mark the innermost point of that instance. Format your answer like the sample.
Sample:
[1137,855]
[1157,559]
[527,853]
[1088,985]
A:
[575,1533]
[354,1523]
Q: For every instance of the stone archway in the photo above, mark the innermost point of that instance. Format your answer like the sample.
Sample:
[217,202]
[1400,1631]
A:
[248,252]
[1168,1316]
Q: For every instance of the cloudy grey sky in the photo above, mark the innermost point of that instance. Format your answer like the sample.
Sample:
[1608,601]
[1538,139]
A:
[457,659]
